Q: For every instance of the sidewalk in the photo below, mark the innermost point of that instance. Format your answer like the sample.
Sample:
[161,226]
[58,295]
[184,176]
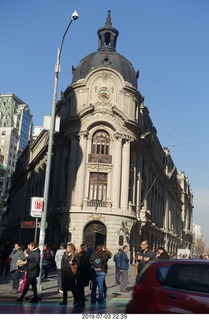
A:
[49,287]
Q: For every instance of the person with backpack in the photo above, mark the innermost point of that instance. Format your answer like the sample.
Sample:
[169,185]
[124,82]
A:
[98,260]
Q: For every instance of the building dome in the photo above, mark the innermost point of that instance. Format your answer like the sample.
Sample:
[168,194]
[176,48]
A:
[106,56]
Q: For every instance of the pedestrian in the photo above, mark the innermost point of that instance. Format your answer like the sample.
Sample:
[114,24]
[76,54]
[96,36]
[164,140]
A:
[58,258]
[68,277]
[109,255]
[15,272]
[116,259]
[98,269]
[124,266]
[136,263]
[162,254]
[90,251]
[82,274]
[32,272]
[5,260]
[47,261]
[145,255]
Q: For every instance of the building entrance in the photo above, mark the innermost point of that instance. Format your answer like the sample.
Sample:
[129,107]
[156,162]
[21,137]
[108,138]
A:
[95,233]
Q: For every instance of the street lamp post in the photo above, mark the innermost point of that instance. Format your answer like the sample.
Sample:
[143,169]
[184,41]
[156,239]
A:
[49,153]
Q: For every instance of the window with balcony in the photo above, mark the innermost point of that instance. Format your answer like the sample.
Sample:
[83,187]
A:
[97,189]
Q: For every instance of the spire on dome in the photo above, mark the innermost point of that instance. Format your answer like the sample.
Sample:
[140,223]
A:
[107,35]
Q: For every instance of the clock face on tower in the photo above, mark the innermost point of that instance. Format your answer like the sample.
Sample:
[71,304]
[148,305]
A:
[104,95]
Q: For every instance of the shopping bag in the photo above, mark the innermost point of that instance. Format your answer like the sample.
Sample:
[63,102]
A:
[22,283]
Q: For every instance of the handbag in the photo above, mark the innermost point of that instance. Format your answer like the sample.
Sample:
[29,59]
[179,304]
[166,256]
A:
[22,283]
[73,269]
[21,264]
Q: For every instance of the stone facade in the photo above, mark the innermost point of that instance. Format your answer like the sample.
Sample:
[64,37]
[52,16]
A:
[111,180]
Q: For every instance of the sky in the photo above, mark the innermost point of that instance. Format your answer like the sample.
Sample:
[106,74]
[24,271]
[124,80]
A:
[166,40]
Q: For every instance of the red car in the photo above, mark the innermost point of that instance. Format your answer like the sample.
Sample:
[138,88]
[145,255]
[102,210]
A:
[172,286]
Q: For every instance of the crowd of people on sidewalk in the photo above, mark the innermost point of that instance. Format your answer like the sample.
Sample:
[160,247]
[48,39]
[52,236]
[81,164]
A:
[76,268]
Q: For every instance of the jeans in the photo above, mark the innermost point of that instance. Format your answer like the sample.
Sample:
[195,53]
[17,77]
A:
[97,281]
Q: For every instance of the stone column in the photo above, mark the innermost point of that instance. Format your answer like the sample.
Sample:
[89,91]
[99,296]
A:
[72,171]
[139,183]
[80,178]
[125,173]
[116,175]
[109,189]
[87,172]
[133,177]
[166,211]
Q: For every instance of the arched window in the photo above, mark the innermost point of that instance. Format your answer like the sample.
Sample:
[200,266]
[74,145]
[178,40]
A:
[98,180]
[100,147]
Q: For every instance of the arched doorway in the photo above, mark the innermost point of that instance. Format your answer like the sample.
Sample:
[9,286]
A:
[95,233]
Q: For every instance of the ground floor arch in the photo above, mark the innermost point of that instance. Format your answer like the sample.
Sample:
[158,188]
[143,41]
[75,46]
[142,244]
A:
[95,232]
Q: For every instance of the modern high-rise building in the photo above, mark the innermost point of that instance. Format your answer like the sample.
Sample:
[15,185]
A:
[15,132]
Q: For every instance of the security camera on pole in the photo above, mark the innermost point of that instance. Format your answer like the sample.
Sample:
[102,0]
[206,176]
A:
[49,154]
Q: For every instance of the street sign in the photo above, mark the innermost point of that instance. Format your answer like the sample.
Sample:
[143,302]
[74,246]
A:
[28,224]
[36,207]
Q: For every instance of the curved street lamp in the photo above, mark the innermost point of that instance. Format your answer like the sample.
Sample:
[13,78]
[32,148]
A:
[49,152]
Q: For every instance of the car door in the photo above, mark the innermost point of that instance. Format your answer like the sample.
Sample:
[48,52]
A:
[184,289]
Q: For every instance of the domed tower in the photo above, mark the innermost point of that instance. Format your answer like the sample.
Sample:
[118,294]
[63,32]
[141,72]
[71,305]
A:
[106,56]
[101,122]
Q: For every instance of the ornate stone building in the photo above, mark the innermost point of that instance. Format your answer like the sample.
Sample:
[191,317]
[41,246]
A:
[111,180]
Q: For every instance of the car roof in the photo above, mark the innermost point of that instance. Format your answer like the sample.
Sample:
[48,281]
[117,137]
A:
[179,261]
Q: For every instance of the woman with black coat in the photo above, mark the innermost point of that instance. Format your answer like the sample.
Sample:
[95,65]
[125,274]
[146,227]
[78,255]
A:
[32,272]
[82,274]
[68,278]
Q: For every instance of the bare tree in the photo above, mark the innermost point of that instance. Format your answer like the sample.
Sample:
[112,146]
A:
[199,246]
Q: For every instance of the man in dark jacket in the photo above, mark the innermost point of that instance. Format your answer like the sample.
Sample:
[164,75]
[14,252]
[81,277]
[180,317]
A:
[33,270]
[116,259]
[162,254]
[124,266]
[144,257]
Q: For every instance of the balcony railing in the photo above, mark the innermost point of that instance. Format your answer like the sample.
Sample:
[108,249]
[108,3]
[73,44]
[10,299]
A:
[96,203]
[100,158]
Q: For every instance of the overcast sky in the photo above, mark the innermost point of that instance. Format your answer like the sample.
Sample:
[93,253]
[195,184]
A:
[167,40]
